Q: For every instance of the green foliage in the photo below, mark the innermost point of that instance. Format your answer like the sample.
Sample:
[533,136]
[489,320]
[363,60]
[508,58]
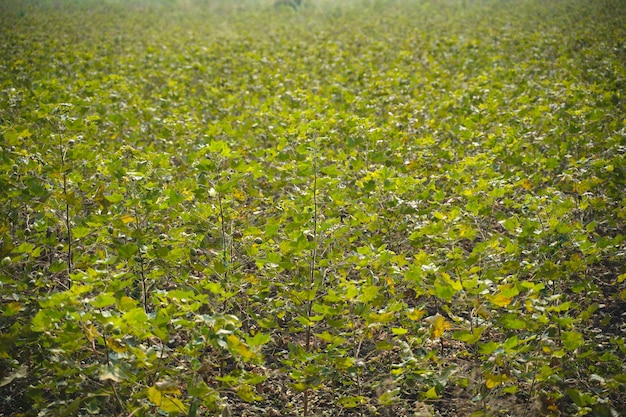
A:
[377,207]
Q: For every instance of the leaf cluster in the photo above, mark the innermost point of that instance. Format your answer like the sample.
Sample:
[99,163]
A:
[367,207]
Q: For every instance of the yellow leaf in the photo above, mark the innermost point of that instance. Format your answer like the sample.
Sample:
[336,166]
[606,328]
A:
[438,215]
[91,332]
[188,195]
[239,195]
[483,312]
[126,303]
[155,396]
[167,386]
[116,345]
[415,315]
[382,318]
[493,380]
[12,309]
[165,402]
[438,325]
[173,405]
[432,393]
[237,346]
[529,305]
[391,285]
[99,197]
[127,218]
[500,300]
[247,393]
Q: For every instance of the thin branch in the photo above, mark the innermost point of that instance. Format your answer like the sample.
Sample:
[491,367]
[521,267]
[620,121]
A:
[312,267]
[68,225]
[313,260]
[223,225]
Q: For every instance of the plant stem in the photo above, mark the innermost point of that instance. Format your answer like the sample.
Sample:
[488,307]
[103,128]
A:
[106,348]
[530,394]
[68,225]
[120,403]
[144,285]
[313,260]
[224,244]
[312,267]
[306,403]
[142,269]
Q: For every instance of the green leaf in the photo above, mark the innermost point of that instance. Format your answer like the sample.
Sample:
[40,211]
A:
[511,389]
[198,389]
[258,339]
[111,373]
[247,393]
[444,289]
[384,345]
[431,394]
[114,198]
[333,339]
[24,247]
[219,146]
[511,342]
[127,251]
[513,321]
[44,319]
[21,372]
[467,336]
[352,401]
[368,293]
[389,397]
[136,320]
[104,300]
[572,340]
[166,403]
[488,348]
[80,232]
[577,397]
[254,379]
[135,317]
[399,331]
[12,309]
